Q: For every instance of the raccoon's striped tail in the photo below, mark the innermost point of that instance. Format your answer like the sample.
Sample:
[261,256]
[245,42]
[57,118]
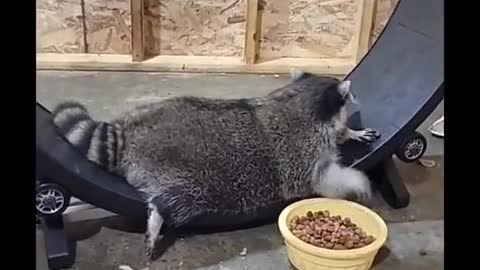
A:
[100,142]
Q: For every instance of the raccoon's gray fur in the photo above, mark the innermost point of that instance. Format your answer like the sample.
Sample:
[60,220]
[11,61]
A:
[193,156]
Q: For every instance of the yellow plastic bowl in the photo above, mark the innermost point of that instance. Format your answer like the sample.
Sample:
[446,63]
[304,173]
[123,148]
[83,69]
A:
[309,257]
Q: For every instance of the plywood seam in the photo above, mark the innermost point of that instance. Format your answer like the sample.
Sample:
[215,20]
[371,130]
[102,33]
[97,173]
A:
[84,27]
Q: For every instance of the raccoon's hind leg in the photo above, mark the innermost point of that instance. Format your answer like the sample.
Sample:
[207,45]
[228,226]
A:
[173,206]
[341,182]
[154,224]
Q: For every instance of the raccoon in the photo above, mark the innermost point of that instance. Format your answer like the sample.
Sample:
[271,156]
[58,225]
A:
[193,156]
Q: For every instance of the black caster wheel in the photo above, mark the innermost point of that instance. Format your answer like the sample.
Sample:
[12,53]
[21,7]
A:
[51,200]
[413,148]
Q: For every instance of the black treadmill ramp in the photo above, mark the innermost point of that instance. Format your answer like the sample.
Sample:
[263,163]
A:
[400,80]
[57,161]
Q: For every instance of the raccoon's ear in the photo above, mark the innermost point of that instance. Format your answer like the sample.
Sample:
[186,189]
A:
[344,90]
[296,73]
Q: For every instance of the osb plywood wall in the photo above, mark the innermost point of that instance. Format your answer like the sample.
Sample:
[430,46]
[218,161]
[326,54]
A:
[200,27]
[290,28]
[310,28]
[103,26]
[59,26]
[108,26]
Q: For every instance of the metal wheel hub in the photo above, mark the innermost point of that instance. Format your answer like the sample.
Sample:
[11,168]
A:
[49,201]
[414,149]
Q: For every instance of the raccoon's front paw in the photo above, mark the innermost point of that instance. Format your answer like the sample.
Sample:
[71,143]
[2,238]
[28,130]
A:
[368,135]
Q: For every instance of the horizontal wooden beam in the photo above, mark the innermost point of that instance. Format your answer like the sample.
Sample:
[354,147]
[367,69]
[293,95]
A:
[168,63]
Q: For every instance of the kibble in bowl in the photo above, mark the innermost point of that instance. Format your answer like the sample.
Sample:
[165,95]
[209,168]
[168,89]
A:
[331,234]
[321,229]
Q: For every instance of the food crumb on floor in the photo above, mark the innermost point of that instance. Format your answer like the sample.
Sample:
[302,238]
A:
[422,252]
[125,267]
[427,163]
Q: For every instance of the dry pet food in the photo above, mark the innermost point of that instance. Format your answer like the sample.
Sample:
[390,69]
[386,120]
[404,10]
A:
[332,232]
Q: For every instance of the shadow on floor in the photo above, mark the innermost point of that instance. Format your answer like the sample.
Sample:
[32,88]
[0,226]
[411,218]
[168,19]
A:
[426,187]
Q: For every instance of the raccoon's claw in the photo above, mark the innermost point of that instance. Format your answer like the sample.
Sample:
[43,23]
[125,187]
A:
[365,197]
[147,238]
[150,250]
[149,253]
[369,135]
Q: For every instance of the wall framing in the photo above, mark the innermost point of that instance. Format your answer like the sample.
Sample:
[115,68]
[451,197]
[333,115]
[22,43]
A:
[251,59]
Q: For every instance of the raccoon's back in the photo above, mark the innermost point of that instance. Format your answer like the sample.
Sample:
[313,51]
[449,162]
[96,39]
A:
[219,147]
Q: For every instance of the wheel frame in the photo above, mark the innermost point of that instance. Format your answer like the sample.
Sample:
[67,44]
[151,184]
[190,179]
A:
[415,140]
[51,199]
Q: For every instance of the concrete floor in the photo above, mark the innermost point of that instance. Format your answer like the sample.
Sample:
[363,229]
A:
[416,233]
